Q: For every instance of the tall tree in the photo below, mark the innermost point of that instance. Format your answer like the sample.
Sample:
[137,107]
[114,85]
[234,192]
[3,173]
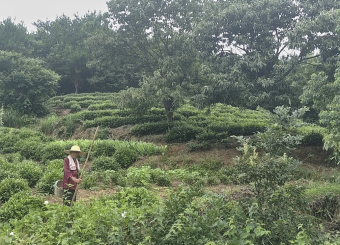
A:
[25,83]
[259,43]
[158,36]
[111,68]
[62,45]
[15,37]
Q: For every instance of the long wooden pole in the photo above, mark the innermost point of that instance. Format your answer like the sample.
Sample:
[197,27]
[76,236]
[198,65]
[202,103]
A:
[87,158]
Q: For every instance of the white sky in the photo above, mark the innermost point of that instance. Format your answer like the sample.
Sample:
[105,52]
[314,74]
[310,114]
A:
[29,11]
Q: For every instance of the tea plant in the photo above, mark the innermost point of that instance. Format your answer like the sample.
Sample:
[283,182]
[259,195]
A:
[30,171]
[10,186]
[105,163]
[48,125]
[45,184]
[125,156]
[19,205]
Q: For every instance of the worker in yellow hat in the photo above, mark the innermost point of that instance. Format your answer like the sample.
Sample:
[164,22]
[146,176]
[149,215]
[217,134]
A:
[71,170]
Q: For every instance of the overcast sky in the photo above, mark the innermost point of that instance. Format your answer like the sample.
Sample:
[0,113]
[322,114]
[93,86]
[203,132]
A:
[30,11]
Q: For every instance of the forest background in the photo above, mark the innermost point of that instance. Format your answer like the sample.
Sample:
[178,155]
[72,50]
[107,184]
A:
[167,54]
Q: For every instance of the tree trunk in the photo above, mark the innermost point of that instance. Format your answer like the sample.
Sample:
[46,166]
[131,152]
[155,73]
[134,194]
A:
[168,105]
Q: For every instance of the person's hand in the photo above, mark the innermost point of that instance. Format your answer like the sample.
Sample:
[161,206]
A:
[78,181]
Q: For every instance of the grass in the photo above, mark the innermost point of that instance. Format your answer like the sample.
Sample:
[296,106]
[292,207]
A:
[319,189]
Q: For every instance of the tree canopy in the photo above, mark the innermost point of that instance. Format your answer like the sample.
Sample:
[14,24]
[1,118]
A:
[25,83]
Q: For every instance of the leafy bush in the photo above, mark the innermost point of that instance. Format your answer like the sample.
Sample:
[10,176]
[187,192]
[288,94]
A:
[30,171]
[90,180]
[135,197]
[102,106]
[75,107]
[13,157]
[10,186]
[53,150]
[312,139]
[139,177]
[68,125]
[181,133]
[29,148]
[16,119]
[104,148]
[103,133]
[160,178]
[266,172]
[48,124]
[19,205]
[45,184]
[105,163]
[202,146]
[150,128]
[118,121]
[125,156]
[56,164]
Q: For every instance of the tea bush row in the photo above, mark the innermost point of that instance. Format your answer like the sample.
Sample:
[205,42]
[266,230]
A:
[35,146]
[11,186]
[20,204]
[115,122]
[185,216]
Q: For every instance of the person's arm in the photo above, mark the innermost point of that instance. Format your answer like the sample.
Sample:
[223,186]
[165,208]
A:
[75,179]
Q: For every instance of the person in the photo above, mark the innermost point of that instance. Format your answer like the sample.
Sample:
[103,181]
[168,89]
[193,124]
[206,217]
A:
[71,170]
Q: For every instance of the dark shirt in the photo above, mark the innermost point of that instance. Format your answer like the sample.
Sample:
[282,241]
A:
[68,183]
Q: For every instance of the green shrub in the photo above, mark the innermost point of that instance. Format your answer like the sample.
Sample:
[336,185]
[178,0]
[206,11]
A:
[45,184]
[105,163]
[117,177]
[13,157]
[213,180]
[30,171]
[104,148]
[135,197]
[48,124]
[53,150]
[75,107]
[139,177]
[11,186]
[29,148]
[181,133]
[103,133]
[160,179]
[106,105]
[188,111]
[125,156]
[5,173]
[56,164]
[15,119]
[150,128]
[201,146]
[68,125]
[207,135]
[312,139]
[86,103]
[89,181]
[251,128]
[19,205]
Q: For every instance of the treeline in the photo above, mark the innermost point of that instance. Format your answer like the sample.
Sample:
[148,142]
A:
[243,53]
[264,53]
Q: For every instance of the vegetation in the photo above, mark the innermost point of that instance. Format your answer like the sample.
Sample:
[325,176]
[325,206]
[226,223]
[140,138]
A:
[171,85]
[160,200]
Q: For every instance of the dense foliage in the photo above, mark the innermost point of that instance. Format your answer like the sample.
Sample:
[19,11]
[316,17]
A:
[194,72]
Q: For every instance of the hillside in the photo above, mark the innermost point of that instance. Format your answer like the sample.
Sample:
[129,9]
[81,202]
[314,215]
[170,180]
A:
[148,173]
